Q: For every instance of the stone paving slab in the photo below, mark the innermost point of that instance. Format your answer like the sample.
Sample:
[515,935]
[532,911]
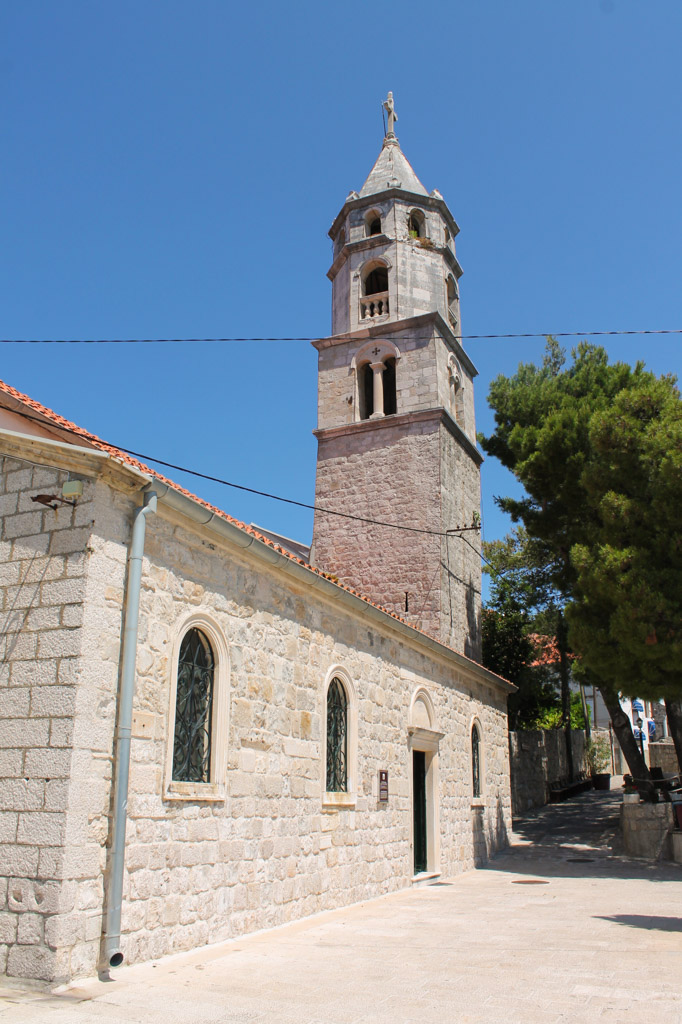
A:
[593,937]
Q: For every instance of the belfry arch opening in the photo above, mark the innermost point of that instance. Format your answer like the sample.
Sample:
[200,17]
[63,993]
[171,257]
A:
[373,223]
[376,281]
[416,225]
[377,392]
[374,297]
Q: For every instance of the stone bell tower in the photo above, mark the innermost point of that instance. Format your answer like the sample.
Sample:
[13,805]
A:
[396,433]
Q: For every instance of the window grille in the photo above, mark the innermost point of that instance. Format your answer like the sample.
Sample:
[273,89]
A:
[476,761]
[193,709]
[337,738]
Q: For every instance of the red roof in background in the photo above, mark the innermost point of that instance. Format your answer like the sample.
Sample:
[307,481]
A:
[546,649]
[47,416]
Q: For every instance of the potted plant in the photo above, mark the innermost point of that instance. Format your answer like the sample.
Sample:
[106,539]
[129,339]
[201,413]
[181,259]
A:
[598,754]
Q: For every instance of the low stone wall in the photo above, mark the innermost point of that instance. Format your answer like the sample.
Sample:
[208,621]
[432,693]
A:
[538,759]
[662,755]
[646,830]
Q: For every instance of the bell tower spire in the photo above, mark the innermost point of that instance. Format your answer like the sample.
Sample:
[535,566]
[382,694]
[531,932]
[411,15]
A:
[396,433]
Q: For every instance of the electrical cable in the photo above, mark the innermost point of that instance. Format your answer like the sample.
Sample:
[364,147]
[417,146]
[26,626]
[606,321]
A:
[403,337]
[456,531]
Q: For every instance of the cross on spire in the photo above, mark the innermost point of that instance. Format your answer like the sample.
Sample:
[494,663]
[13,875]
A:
[389,107]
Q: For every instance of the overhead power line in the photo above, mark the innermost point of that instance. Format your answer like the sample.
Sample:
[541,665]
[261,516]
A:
[320,337]
[453,531]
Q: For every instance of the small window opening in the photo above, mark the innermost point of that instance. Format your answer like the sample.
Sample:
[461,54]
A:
[415,225]
[476,761]
[447,237]
[366,382]
[340,240]
[337,738]
[375,226]
[376,281]
[390,398]
[193,709]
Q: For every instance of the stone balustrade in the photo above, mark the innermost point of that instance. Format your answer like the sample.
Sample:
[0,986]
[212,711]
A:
[373,307]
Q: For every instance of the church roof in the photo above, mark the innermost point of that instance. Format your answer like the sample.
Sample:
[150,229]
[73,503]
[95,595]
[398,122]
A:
[392,170]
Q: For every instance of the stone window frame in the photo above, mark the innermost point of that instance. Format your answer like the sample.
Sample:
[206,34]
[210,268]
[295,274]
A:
[216,789]
[366,355]
[477,801]
[348,799]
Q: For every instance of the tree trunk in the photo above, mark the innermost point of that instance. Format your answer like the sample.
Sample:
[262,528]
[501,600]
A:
[628,744]
[673,711]
[586,715]
[565,692]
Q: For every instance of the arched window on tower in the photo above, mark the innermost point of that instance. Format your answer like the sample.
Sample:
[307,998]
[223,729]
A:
[375,366]
[340,241]
[374,298]
[390,396]
[416,225]
[193,709]
[366,391]
[376,281]
[453,297]
[372,223]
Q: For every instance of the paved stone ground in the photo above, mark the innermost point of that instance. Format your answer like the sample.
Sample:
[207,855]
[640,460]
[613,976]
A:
[559,928]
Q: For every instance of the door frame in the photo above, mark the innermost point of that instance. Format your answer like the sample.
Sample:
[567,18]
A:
[427,742]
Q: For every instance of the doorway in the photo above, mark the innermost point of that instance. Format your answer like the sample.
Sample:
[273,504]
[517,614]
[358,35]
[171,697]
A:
[419,809]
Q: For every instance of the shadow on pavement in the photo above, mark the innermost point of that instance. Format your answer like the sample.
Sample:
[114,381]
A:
[579,838]
[663,924]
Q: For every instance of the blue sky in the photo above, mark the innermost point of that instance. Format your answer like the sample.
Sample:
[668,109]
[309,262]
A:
[171,170]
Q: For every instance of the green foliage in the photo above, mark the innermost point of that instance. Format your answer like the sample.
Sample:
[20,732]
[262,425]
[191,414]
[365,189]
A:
[598,448]
[552,718]
[598,755]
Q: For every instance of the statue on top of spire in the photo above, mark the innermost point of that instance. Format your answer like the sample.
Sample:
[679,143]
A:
[389,107]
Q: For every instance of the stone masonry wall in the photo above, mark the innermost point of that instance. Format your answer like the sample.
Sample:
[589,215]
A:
[391,474]
[538,758]
[460,575]
[200,871]
[42,585]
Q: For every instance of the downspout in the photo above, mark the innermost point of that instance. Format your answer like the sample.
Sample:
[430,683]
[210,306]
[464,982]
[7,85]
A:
[111,952]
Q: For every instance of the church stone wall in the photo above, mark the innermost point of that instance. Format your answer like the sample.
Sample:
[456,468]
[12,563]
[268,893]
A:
[51,720]
[200,871]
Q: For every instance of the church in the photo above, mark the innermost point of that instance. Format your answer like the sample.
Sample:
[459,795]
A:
[206,729]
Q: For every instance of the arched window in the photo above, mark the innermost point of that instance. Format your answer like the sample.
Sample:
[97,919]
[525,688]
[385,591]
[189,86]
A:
[366,391]
[476,761]
[337,738]
[376,281]
[390,397]
[340,240]
[373,223]
[452,296]
[193,709]
[416,226]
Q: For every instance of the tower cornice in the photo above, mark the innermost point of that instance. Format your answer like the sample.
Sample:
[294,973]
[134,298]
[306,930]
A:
[437,415]
[396,327]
